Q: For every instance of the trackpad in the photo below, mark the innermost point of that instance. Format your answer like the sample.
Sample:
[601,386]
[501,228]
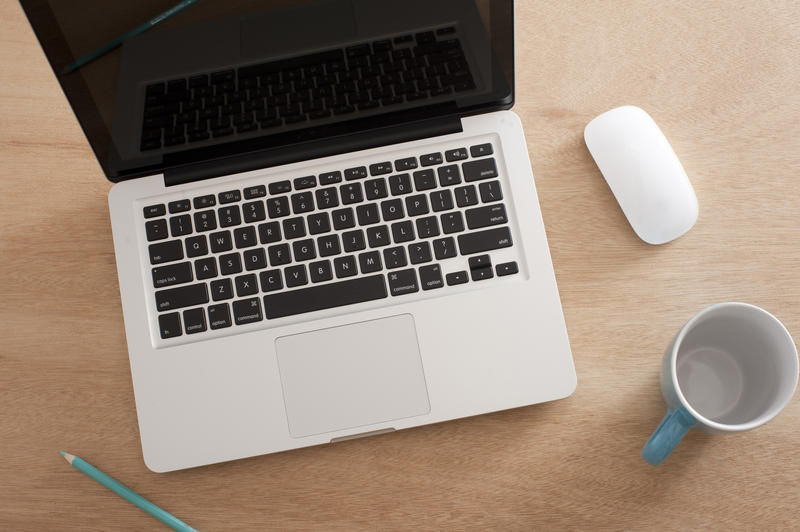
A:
[351,376]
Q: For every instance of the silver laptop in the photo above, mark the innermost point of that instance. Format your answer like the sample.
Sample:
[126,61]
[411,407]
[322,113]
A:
[324,218]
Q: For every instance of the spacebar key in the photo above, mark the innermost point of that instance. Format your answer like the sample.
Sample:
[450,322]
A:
[324,296]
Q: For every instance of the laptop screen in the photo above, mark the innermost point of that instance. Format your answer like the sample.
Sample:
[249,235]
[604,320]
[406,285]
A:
[160,84]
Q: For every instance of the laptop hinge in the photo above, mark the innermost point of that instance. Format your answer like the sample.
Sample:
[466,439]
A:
[303,151]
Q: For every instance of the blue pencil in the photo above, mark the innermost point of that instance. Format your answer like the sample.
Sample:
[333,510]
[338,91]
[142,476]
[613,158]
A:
[127,494]
[94,54]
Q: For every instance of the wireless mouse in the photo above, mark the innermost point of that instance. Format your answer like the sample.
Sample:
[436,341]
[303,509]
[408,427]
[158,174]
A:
[643,172]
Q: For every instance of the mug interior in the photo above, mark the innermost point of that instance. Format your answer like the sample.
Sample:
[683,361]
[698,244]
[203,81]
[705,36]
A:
[736,365]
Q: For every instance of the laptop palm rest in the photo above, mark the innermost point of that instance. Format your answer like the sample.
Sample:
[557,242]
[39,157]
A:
[352,376]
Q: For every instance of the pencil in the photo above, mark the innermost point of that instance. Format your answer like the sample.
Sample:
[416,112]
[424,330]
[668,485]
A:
[127,494]
[94,54]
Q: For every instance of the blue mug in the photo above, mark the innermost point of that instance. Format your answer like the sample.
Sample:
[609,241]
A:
[731,368]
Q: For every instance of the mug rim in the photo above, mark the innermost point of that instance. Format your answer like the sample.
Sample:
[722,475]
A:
[724,427]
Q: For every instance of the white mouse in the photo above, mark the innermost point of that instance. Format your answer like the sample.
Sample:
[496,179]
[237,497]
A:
[643,172]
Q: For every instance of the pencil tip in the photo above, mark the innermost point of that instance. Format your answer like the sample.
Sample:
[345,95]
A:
[68,457]
[62,453]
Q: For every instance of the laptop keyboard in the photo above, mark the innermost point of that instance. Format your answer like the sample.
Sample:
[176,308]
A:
[340,237]
[362,77]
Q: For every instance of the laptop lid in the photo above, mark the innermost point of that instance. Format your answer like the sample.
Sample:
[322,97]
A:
[201,88]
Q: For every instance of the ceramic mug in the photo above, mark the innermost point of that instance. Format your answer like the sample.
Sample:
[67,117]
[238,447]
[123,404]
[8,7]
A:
[731,368]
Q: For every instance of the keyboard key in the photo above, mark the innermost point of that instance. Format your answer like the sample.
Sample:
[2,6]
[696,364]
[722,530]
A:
[318,223]
[486,216]
[294,228]
[359,172]
[247,311]
[254,211]
[449,175]
[246,285]
[170,325]
[343,219]
[269,233]
[419,252]
[219,316]
[459,154]
[295,276]
[271,280]
[345,266]
[302,202]
[380,168]
[201,202]
[444,248]
[180,225]
[258,191]
[378,236]
[245,237]
[480,169]
[395,257]
[229,216]
[507,268]
[480,274]
[375,189]
[182,296]
[254,259]
[328,245]
[320,271]
[325,296]
[430,159]
[456,278]
[417,205]
[490,191]
[165,251]
[279,254]
[221,241]
[427,227]
[370,262]
[392,209]
[172,274]
[304,250]
[205,221]
[230,264]
[403,231]
[194,320]
[452,222]
[229,196]
[368,214]
[205,268]
[196,246]
[278,207]
[430,277]
[302,183]
[156,230]
[179,206]
[481,241]
[351,193]
[466,196]
[481,150]
[403,282]
[424,180]
[151,211]
[329,178]
[400,184]
[327,198]
[280,187]
[479,261]
[405,164]
[221,289]
[441,200]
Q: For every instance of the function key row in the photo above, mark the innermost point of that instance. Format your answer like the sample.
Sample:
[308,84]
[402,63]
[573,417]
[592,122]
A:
[328,178]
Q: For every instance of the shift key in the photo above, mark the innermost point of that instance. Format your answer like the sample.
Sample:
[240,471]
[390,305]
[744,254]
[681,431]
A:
[481,241]
[183,296]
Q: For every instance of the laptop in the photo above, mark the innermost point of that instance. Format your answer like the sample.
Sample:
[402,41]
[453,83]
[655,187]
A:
[324,217]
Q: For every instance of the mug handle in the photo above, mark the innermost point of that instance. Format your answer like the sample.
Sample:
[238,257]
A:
[670,431]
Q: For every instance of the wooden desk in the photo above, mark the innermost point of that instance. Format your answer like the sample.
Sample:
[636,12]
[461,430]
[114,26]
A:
[722,80]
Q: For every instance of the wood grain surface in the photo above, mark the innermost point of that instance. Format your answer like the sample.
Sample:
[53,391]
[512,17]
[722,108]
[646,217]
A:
[722,80]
